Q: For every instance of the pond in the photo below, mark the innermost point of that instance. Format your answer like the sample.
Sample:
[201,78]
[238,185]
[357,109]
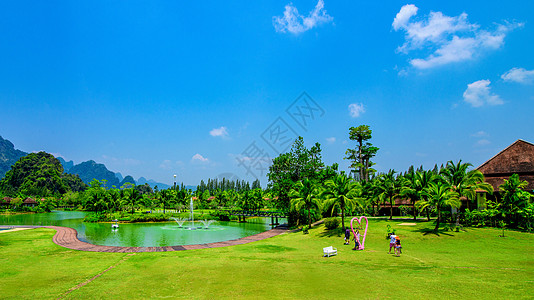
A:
[141,234]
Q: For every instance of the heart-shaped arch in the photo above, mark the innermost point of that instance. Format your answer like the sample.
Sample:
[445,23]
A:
[362,242]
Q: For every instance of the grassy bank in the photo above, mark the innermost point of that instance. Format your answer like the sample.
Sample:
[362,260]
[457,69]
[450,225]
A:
[475,263]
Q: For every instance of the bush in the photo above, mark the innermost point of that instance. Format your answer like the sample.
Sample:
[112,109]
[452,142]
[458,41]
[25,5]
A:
[331,223]
[221,215]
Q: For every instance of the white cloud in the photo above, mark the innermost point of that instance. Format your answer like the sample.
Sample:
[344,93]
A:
[296,23]
[483,142]
[480,134]
[449,39]
[356,109]
[199,158]
[222,132]
[404,15]
[478,94]
[519,75]
[331,140]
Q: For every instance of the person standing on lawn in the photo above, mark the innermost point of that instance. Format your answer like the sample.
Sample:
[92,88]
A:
[392,242]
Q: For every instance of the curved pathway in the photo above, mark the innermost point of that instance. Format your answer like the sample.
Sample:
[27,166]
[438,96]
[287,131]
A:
[68,238]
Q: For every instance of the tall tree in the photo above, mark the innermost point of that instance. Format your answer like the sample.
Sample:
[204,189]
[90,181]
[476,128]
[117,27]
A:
[438,195]
[361,156]
[305,194]
[341,192]
[514,197]
[389,187]
[292,167]
[464,182]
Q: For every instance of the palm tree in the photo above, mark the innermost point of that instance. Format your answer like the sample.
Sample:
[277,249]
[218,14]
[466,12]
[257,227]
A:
[439,194]
[409,189]
[414,184]
[131,197]
[389,187]
[341,192]
[514,197]
[305,195]
[464,182]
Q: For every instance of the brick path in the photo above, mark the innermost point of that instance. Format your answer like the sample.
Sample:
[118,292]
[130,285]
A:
[68,238]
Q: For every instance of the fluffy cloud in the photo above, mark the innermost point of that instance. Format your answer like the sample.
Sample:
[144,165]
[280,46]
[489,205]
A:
[331,140]
[519,75]
[222,132]
[449,39]
[199,158]
[296,23]
[483,142]
[356,109]
[480,134]
[478,94]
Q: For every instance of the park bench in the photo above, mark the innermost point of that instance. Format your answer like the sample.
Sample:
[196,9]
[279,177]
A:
[328,251]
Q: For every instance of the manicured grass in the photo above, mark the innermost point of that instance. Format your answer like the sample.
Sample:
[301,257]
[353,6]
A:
[475,263]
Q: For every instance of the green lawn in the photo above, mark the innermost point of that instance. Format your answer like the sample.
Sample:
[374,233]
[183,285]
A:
[475,263]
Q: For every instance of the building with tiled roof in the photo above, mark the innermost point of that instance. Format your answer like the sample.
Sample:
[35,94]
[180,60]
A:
[518,158]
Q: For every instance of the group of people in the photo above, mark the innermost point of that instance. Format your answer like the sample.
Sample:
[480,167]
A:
[394,242]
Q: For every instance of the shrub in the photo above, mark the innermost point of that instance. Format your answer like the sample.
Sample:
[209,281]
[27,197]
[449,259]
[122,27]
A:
[221,215]
[331,223]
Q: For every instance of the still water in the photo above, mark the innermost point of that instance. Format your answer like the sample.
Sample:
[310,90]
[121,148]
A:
[141,234]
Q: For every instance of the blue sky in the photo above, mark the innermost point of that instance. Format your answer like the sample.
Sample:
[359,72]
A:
[157,88]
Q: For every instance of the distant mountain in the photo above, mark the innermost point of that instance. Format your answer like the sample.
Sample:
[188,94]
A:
[67,165]
[127,179]
[152,183]
[119,176]
[87,171]
[8,156]
[90,170]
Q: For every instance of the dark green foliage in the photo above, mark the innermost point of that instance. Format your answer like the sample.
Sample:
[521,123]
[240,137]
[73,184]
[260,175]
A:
[291,167]
[331,223]
[360,156]
[144,189]
[74,182]
[8,156]
[38,174]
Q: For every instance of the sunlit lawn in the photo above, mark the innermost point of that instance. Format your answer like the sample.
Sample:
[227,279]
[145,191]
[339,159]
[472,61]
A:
[475,263]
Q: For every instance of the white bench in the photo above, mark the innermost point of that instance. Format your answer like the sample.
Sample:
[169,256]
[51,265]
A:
[328,251]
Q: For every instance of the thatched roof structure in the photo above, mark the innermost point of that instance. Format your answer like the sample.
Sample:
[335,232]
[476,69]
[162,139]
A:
[29,201]
[518,158]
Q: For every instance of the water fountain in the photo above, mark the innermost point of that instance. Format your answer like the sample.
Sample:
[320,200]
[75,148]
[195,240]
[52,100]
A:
[179,221]
[207,223]
[192,215]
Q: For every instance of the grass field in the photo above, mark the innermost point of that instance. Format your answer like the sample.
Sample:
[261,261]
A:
[475,263]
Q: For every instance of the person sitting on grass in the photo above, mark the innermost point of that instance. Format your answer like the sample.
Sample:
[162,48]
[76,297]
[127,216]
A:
[398,247]
[392,242]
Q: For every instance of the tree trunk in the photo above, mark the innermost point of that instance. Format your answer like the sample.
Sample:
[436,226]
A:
[343,219]
[309,217]
[437,221]
[414,211]
[360,159]
[391,208]
[427,214]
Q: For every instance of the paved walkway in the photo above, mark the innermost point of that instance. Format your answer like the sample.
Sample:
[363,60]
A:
[68,238]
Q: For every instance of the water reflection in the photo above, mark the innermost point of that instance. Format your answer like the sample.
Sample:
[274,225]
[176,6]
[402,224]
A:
[141,234]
